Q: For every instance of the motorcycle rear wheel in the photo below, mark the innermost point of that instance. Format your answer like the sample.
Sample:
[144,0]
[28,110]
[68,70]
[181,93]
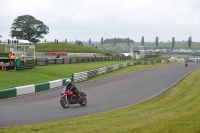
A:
[83,102]
[64,102]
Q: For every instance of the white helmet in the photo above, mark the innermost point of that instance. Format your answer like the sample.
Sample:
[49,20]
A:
[68,81]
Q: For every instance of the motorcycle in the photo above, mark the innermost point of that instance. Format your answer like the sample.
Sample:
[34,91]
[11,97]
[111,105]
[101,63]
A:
[186,65]
[68,97]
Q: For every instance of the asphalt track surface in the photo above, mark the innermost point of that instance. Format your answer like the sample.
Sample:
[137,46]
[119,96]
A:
[103,95]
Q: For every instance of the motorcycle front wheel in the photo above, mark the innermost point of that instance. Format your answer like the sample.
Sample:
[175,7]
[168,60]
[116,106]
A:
[64,102]
[83,102]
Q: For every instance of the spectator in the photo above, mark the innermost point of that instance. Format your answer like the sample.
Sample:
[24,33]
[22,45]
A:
[23,58]
[95,56]
[13,56]
[10,55]
[57,55]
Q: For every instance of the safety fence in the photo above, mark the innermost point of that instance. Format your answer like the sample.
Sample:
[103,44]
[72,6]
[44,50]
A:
[73,60]
[153,61]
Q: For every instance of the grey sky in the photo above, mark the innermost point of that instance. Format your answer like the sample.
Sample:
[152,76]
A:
[84,19]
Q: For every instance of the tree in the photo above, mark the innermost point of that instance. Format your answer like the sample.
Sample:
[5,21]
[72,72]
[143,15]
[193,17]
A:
[90,42]
[0,37]
[173,42]
[142,41]
[66,40]
[189,42]
[27,27]
[115,41]
[118,40]
[156,41]
[128,41]
[102,41]
[80,43]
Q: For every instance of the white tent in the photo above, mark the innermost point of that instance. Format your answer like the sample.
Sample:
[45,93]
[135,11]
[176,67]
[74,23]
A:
[23,41]
[19,41]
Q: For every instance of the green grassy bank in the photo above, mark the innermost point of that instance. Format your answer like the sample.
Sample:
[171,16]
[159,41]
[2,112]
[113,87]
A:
[63,47]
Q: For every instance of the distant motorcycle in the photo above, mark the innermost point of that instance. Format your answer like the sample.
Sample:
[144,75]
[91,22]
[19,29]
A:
[186,64]
[68,97]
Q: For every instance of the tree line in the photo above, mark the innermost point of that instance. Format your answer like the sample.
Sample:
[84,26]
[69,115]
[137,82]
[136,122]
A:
[117,40]
[27,27]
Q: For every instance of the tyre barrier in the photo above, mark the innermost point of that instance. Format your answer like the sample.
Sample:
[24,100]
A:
[81,76]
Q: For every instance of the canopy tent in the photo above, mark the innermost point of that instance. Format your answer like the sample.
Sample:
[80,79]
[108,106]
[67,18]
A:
[19,41]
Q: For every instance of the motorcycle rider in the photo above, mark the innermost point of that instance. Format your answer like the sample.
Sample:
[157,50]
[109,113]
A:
[70,86]
[186,63]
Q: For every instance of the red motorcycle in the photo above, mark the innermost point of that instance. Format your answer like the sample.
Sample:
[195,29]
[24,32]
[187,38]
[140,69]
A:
[68,97]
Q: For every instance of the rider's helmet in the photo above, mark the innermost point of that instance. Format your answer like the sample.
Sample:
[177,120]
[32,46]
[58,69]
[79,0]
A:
[68,81]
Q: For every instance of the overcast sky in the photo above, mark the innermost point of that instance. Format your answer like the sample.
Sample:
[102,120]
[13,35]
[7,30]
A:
[84,19]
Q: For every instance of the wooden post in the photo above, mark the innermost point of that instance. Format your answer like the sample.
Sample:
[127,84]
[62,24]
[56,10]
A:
[46,61]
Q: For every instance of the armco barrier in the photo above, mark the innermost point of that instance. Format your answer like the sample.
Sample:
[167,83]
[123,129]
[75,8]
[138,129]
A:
[21,90]
[163,61]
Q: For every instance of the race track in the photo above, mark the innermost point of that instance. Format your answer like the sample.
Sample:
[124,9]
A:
[103,95]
